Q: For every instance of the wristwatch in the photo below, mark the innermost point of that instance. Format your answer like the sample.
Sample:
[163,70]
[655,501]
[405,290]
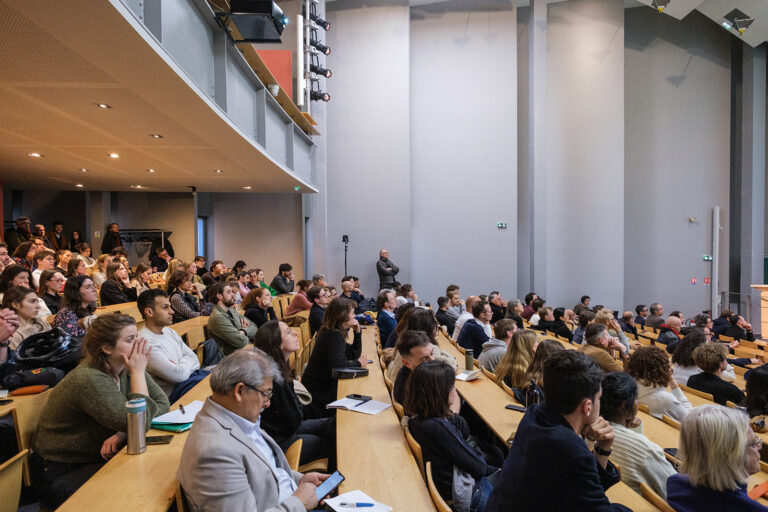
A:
[600,451]
[4,344]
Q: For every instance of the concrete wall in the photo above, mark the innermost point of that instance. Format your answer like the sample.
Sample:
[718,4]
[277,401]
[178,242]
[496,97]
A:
[463,149]
[677,89]
[46,206]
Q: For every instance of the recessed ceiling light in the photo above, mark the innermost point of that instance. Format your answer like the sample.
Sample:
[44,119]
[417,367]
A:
[103,105]
[114,155]
[79,185]
[219,171]
[151,171]
[247,187]
[83,170]
[155,135]
[35,155]
[136,186]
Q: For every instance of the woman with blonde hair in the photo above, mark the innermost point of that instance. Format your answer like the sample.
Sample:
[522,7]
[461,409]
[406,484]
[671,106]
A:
[512,370]
[718,452]
[606,318]
[98,272]
[173,265]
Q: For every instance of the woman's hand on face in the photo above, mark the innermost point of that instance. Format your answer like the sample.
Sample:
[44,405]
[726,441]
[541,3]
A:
[136,362]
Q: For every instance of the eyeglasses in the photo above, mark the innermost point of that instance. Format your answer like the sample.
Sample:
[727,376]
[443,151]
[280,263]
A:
[266,395]
[757,443]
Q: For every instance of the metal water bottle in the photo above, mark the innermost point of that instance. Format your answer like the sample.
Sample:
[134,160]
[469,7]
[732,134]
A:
[469,359]
[137,414]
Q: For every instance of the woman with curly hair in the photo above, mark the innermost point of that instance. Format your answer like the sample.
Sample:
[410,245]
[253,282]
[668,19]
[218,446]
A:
[651,369]
[682,358]
[512,370]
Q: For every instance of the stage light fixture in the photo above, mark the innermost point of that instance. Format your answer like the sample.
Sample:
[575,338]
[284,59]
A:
[319,70]
[319,96]
[660,5]
[258,21]
[326,50]
[738,20]
[320,21]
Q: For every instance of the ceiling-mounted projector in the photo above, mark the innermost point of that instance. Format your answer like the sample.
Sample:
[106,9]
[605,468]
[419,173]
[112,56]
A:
[259,21]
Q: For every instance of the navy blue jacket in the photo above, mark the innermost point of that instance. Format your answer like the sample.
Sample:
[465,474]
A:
[386,325]
[472,336]
[549,467]
[685,498]
[316,314]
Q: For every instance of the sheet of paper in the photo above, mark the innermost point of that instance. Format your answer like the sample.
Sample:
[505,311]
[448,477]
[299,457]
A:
[176,416]
[468,375]
[350,404]
[356,497]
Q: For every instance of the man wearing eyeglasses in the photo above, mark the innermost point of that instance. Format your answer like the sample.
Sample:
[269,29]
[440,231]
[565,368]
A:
[228,462]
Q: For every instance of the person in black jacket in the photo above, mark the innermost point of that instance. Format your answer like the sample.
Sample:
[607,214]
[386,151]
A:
[117,288]
[387,271]
[444,434]
[332,351]
[740,329]
[51,283]
[473,333]
[283,419]
[722,323]
[549,466]
[712,359]
[111,239]
[442,316]
[283,281]
[258,306]
[319,299]
[498,306]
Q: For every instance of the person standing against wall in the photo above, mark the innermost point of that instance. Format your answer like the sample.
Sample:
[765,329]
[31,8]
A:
[387,271]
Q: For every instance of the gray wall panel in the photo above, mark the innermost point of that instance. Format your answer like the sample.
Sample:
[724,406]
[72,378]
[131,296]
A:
[241,98]
[189,41]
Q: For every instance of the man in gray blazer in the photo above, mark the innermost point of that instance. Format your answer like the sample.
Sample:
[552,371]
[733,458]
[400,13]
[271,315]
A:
[228,462]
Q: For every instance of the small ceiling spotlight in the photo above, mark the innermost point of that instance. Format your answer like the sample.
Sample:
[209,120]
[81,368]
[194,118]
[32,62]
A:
[660,5]
[151,171]
[79,185]
[319,70]
[737,20]
[155,135]
[83,170]
[320,96]
[247,187]
[35,155]
[325,50]
[114,155]
[103,105]
[219,171]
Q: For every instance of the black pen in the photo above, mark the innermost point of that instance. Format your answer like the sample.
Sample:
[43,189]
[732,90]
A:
[182,409]
[365,400]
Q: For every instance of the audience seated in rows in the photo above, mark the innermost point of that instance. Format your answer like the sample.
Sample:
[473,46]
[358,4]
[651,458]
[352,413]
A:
[186,300]
[586,318]
[401,325]
[536,305]
[299,302]
[718,452]
[414,347]
[512,368]
[26,304]
[495,348]
[651,368]
[20,233]
[583,305]
[740,329]
[284,419]
[640,459]
[51,283]
[243,280]
[406,295]
[655,319]
[549,466]
[443,318]
[226,326]
[117,288]
[283,282]
[605,317]
[514,312]
[228,462]
[475,331]
[711,359]
[332,351]
[684,367]
[528,309]
[214,275]
[24,255]
[142,278]
[76,267]
[385,319]
[258,306]
[498,306]
[641,313]
[160,259]
[98,271]
[669,331]
[455,304]
[600,346]
[722,323]
[173,365]
[63,257]
[84,253]
[319,298]
[77,306]
[84,422]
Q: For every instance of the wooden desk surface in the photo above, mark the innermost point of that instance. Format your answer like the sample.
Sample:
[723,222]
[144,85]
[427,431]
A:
[622,493]
[8,408]
[372,451]
[659,432]
[145,482]
[486,398]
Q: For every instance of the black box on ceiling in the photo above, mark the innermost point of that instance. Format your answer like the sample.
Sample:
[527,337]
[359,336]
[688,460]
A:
[259,21]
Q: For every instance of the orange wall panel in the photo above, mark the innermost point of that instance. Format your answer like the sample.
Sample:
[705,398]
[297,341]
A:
[280,64]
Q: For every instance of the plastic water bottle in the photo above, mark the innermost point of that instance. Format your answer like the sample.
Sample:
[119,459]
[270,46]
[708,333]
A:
[137,413]
[469,359]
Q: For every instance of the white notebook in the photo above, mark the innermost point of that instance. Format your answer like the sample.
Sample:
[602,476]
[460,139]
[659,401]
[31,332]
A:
[468,375]
[356,497]
[350,404]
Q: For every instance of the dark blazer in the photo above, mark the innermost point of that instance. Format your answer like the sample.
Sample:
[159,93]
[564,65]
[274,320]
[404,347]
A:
[113,293]
[386,325]
[281,284]
[111,240]
[331,351]
[720,390]
[445,319]
[738,333]
[685,498]
[498,313]
[258,315]
[316,314]
[282,418]
[549,467]
[472,336]
[386,277]
[159,263]
[719,326]
[53,302]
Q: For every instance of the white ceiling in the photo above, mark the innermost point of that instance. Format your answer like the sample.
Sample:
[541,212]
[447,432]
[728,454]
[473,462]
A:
[59,59]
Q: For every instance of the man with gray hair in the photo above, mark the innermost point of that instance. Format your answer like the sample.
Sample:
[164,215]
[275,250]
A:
[228,462]
[387,271]
[655,320]
[319,280]
[599,345]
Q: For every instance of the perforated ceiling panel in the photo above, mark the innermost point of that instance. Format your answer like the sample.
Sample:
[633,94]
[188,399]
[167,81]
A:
[32,55]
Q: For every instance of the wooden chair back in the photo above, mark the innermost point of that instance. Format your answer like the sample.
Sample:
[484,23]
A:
[725,338]
[643,408]
[488,374]
[656,500]
[181,499]
[461,349]
[749,344]
[507,389]
[415,449]
[438,500]
[25,418]
[669,420]
[10,481]
[388,382]
[398,409]
[696,392]
[293,454]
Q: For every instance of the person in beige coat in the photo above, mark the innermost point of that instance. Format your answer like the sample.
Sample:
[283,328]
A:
[228,462]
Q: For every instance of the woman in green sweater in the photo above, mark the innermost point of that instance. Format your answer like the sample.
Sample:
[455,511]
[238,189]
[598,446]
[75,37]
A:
[84,422]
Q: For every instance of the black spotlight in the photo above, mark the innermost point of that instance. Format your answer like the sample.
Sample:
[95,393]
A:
[320,47]
[320,96]
[319,70]
[320,21]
